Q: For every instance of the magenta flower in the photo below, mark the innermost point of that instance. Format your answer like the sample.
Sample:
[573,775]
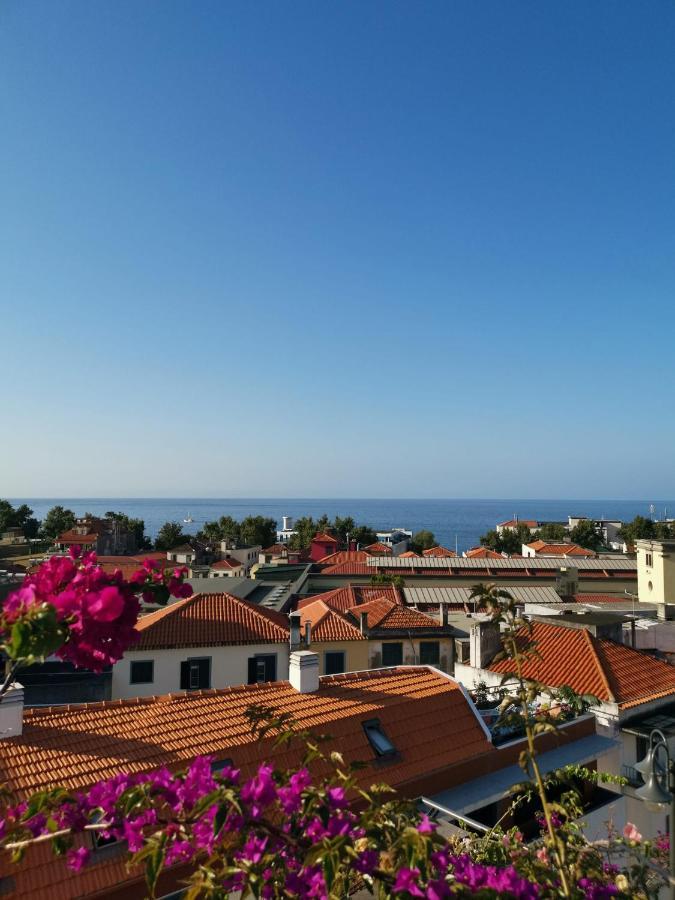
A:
[77,859]
[406,882]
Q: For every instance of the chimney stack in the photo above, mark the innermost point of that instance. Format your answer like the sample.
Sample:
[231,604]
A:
[294,620]
[11,712]
[308,634]
[363,622]
[303,671]
[484,643]
[443,614]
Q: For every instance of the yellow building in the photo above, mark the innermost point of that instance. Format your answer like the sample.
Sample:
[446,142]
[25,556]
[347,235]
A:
[656,571]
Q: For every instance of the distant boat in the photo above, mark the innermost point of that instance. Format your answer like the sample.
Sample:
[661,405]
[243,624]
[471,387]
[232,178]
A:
[188,519]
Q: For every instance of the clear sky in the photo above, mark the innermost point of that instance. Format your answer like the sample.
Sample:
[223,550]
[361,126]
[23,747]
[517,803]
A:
[337,248]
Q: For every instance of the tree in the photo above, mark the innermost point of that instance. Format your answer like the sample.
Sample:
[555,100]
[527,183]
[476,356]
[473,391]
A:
[57,520]
[258,530]
[169,535]
[136,527]
[305,528]
[551,532]
[21,517]
[510,541]
[423,540]
[363,535]
[586,535]
[396,581]
[647,529]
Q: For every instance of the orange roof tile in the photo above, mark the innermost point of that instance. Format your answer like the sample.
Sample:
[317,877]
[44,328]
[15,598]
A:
[324,538]
[611,672]
[211,620]
[601,598]
[328,624]
[378,549]
[382,613]
[564,549]
[424,714]
[513,523]
[72,537]
[483,553]
[352,595]
[342,556]
[409,554]
[226,564]
[438,551]
[347,568]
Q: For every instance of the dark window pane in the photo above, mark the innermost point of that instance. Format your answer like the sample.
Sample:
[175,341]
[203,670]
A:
[392,654]
[335,663]
[430,653]
[378,739]
[195,674]
[262,668]
[141,672]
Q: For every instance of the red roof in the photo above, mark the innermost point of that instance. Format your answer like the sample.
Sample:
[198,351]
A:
[611,672]
[226,564]
[378,549]
[483,553]
[544,548]
[602,598]
[72,537]
[382,613]
[321,537]
[343,598]
[424,714]
[211,620]
[513,523]
[342,556]
[275,549]
[328,624]
[438,551]
[409,554]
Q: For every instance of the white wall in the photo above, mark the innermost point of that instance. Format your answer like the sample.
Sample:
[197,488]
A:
[229,666]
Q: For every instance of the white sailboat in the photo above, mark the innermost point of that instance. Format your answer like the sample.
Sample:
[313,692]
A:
[188,519]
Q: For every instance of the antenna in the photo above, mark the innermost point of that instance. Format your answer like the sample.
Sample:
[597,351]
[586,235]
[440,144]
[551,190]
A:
[455,545]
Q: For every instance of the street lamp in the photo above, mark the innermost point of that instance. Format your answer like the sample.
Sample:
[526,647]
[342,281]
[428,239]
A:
[658,790]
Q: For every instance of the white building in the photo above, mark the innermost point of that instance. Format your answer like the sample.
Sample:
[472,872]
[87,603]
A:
[206,641]
[398,540]
[286,532]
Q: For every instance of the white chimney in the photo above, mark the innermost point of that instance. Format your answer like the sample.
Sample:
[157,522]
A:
[303,671]
[484,643]
[11,712]
[443,614]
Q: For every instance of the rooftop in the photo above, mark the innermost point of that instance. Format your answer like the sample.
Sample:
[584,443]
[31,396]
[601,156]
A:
[211,620]
[328,624]
[609,671]
[561,549]
[383,613]
[438,551]
[344,598]
[582,564]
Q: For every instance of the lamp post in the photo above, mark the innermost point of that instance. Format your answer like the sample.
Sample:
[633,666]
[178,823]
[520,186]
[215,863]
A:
[659,788]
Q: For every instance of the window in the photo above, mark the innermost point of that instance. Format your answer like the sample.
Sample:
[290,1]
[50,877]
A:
[142,671]
[378,740]
[334,663]
[430,653]
[261,668]
[648,560]
[392,653]
[219,764]
[195,674]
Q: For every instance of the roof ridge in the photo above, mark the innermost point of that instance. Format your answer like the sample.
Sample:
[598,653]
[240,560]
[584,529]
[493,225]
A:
[596,656]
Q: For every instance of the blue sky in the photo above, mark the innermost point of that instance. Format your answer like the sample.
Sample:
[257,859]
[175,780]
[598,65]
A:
[337,249]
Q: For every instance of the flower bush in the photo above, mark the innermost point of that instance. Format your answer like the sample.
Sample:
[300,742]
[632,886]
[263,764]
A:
[296,834]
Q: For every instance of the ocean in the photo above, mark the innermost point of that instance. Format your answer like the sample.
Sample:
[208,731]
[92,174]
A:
[459,522]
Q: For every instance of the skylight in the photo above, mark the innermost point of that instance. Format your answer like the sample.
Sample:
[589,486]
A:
[378,739]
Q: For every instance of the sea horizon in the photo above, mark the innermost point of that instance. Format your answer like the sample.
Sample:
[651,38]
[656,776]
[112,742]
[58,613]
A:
[455,522]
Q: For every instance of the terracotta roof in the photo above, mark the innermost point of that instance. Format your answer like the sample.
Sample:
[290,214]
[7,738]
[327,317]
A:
[344,598]
[382,613]
[438,551]
[545,548]
[378,549]
[342,556]
[182,548]
[72,537]
[347,568]
[602,598]
[483,553]
[275,549]
[226,564]
[513,523]
[612,672]
[328,624]
[424,714]
[409,554]
[211,620]
[324,538]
